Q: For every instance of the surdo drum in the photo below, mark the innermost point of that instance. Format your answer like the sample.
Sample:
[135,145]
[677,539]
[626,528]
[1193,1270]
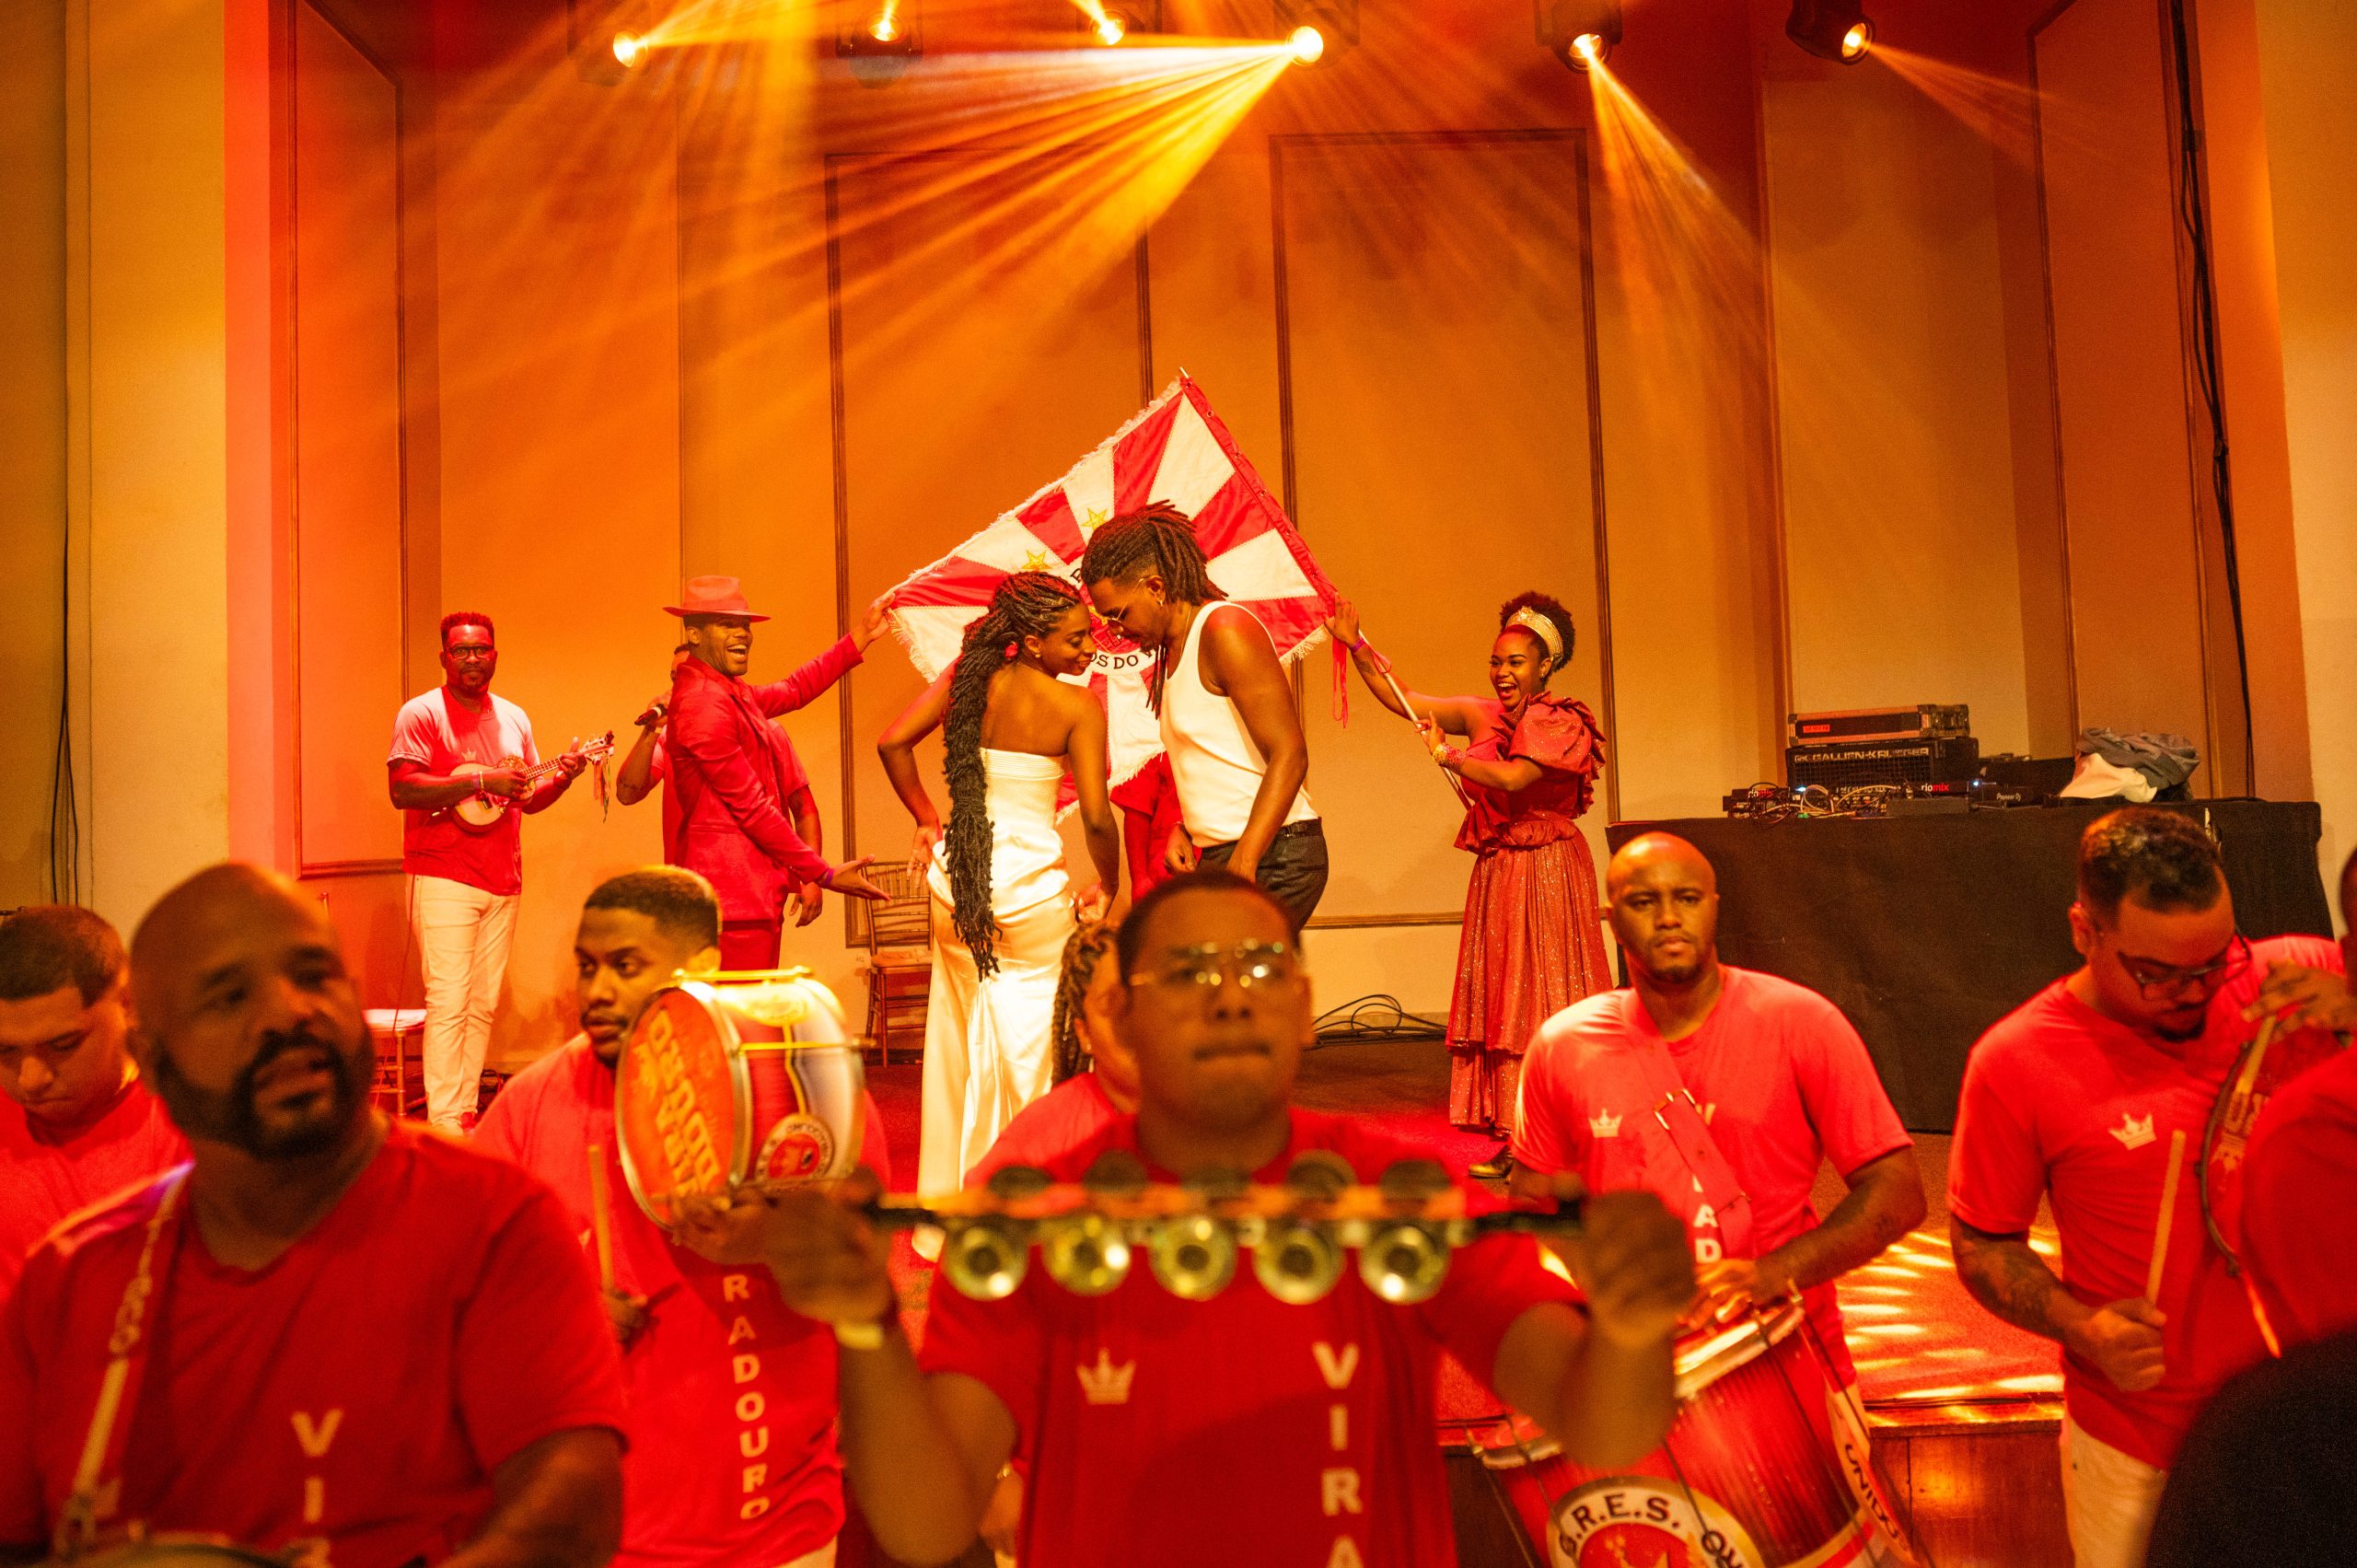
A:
[1765,1467]
[731,1080]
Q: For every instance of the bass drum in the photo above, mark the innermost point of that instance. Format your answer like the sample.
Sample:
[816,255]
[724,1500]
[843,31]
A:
[1766,1466]
[734,1079]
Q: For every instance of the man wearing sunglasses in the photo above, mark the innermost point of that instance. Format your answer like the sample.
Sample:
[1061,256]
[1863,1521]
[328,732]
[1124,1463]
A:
[1239,1429]
[2076,1096]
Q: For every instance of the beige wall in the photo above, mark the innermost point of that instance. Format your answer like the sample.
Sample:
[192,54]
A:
[1905,580]
[32,436]
[2307,51]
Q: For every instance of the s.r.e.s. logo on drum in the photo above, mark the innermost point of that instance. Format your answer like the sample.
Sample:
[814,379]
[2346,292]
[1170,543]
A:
[1634,1521]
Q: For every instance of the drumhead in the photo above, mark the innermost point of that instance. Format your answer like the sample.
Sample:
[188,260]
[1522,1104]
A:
[682,1107]
[172,1552]
[1702,1359]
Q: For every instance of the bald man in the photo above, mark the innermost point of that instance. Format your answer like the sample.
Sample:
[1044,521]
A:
[1721,1089]
[370,1345]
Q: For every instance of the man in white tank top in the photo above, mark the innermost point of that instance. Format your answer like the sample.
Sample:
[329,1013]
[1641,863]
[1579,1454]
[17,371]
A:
[1228,721]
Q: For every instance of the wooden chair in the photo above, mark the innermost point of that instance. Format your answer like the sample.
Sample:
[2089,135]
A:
[899,958]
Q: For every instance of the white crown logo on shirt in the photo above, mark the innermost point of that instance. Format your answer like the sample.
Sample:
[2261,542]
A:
[2132,1133]
[1603,1125]
[1106,1384]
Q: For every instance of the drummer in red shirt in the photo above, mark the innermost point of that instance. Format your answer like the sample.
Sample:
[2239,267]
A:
[76,1124]
[732,1457]
[343,1340]
[2299,1198]
[1723,1090]
[1236,1430]
[2076,1096]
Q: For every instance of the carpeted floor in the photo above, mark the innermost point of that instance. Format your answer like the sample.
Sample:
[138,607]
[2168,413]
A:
[1915,1336]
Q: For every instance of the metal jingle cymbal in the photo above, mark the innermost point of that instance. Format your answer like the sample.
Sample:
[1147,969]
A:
[1413,1181]
[1192,1255]
[1319,1173]
[1116,1173]
[1085,1254]
[1296,1262]
[1404,1262]
[984,1257]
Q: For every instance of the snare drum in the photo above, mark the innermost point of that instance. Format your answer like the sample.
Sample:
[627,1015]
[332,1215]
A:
[732,1079]
[1765,1467]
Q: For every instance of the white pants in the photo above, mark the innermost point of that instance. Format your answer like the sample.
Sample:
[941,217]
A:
[2108,1499]
[462,937]
[987,1053]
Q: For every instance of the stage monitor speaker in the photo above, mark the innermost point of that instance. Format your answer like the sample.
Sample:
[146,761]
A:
[1851,764]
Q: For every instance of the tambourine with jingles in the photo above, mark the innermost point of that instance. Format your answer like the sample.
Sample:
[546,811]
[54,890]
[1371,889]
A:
[734,1080]
[179,1551]
[1194,1234]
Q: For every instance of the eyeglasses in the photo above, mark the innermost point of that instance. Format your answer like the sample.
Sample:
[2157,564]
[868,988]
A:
[2156,979]
[469,654]
[1197,971]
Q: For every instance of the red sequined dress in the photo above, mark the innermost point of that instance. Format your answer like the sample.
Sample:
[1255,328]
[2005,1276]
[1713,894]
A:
[1531,945]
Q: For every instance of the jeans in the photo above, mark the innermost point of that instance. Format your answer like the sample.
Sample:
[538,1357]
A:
[462,939]
[1291,870]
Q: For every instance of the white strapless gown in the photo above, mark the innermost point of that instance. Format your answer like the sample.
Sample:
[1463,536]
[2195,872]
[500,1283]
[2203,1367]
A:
[986,1048]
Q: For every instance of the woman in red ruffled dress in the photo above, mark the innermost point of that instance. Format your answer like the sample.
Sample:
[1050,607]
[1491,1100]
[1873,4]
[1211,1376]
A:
[1531,945]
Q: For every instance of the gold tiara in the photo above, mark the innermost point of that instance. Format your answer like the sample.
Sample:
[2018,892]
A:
[1545,628]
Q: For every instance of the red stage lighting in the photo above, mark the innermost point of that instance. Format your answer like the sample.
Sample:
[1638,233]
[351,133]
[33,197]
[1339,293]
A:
[1318,29]
[1580,33]
[1831,30]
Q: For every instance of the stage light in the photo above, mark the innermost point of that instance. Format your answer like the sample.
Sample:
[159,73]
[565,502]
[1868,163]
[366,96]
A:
[1580,33]
[607,53]
[1317,30]
[878,49]
[1831,30]
[1109,24]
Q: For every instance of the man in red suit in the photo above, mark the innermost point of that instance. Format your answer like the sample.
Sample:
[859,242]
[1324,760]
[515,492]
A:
[730,769]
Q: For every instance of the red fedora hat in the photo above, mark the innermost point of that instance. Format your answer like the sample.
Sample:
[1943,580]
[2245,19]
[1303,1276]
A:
[713,595]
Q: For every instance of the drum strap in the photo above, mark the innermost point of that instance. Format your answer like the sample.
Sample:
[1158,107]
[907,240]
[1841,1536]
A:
[98,1478]
[1690,1135]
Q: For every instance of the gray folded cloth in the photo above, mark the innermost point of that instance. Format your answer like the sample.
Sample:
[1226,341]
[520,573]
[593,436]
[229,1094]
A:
[2166,760]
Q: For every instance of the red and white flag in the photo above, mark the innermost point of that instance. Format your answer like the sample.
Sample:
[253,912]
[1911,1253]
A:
[1176,450]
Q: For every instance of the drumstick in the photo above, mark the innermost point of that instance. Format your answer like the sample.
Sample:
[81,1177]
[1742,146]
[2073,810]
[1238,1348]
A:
[2168,1213]
[600,1218]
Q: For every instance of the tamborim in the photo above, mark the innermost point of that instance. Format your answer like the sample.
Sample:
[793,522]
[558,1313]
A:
[174,1551]
[1765,1467]
[733,1079]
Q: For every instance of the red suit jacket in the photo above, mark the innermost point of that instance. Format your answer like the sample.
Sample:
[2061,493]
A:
[727,772]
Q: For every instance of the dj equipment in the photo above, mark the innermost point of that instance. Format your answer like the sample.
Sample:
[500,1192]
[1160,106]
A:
[1089,1234]
[1922,722]
[1766,1464]
[732,1079]
[1848,764]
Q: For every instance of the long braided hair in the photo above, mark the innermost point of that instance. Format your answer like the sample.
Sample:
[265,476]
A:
[1083,950]
[1027,604]
[1159,538]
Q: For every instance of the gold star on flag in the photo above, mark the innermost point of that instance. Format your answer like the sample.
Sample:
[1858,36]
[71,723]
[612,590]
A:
[1091,523]
[1036,561]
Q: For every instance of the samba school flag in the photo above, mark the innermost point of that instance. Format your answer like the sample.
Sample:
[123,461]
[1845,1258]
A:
[1177,450]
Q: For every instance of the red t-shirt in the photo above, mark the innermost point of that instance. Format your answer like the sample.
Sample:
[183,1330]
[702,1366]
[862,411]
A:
[731,1393]
[1065,1117]
[437,733]
[1780,1076]
[1149,803]
[46,1174]
[2299,1220]
[1237,1430]
[362,1388]
[2063,1101]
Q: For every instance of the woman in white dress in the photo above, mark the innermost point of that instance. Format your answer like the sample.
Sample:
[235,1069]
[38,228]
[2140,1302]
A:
[1001,904]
